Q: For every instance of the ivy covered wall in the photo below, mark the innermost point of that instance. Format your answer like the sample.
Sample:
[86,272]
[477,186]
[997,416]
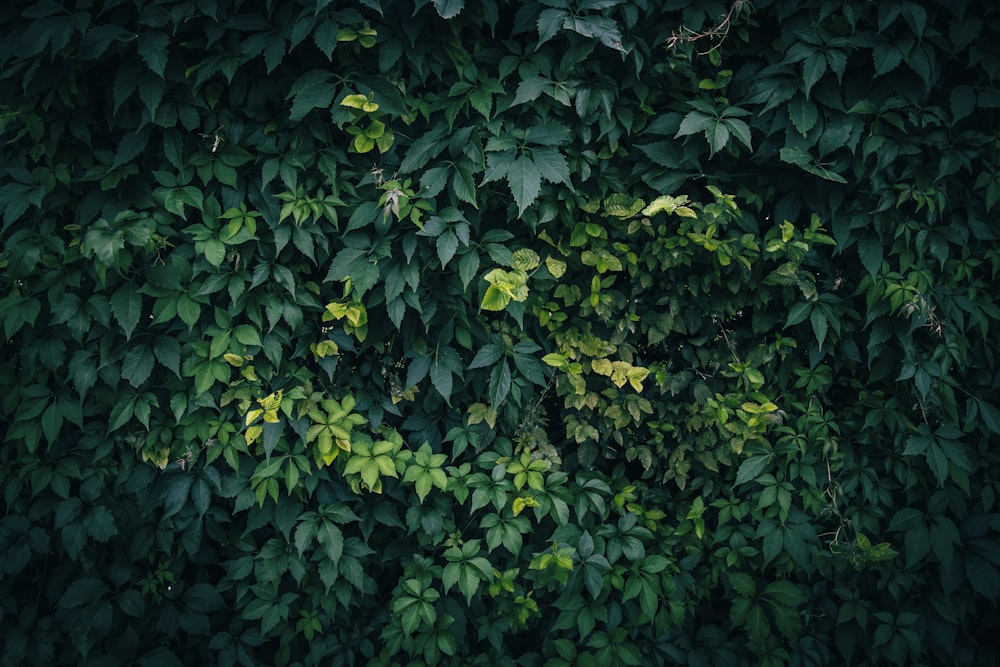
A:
[506,333]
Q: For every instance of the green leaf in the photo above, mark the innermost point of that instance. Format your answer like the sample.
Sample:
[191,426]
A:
[131,145]
[449,9]
[772,542]
[963,102]
[803,115]
[137,365]
[126,305]
[425,148]
[82,591]
[550,21]
[160,657]
[500,382]
[751,468]
[990,415]
[203,598]
[740,130]
[215,250]
[525,180]
[551,165]
[131,603]
[103,242]
[447,246]
[433,181]
[593,580]
[654,564]
[178,488]
[464,186]
[83,370]
[813,69]
[757,626]
[717,134]
[548,134]
[784,593]
[495,299]
[152,47]
[525,259]
[693,123]
[805,160]
[441,378]
[101,524]
[188,309]
[18,311]
[742,583]
[311,90]
[870,252]
[122,411]
[247,335]
[983,576]
[331,538]
[486,356]
[798,313]
[819,325]
[151,92]
[530,89]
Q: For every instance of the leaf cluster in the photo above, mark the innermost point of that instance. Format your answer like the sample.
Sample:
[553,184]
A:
[498,333]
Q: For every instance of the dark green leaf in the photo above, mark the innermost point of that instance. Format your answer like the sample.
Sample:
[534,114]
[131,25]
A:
[870,252]
[311,90]
[441,378]
[449,9]
[82,591]
[751,468]
[803,115]
[500,381]
[152,47]
[203,597]
[424,149]
[524,178]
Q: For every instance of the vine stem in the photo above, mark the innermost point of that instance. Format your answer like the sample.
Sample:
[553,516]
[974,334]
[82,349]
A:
[721,31]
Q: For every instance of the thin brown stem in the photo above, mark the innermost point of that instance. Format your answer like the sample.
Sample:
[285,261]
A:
[720,31]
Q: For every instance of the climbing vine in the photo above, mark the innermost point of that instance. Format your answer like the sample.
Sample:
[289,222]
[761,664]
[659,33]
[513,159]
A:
[546,333]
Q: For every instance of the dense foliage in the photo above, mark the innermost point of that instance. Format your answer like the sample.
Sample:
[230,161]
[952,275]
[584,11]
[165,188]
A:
[541,333]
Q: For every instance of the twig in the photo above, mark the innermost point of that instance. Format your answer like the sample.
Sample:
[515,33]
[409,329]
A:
[720,32]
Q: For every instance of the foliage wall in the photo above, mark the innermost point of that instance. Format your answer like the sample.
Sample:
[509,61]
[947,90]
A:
[539,333]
